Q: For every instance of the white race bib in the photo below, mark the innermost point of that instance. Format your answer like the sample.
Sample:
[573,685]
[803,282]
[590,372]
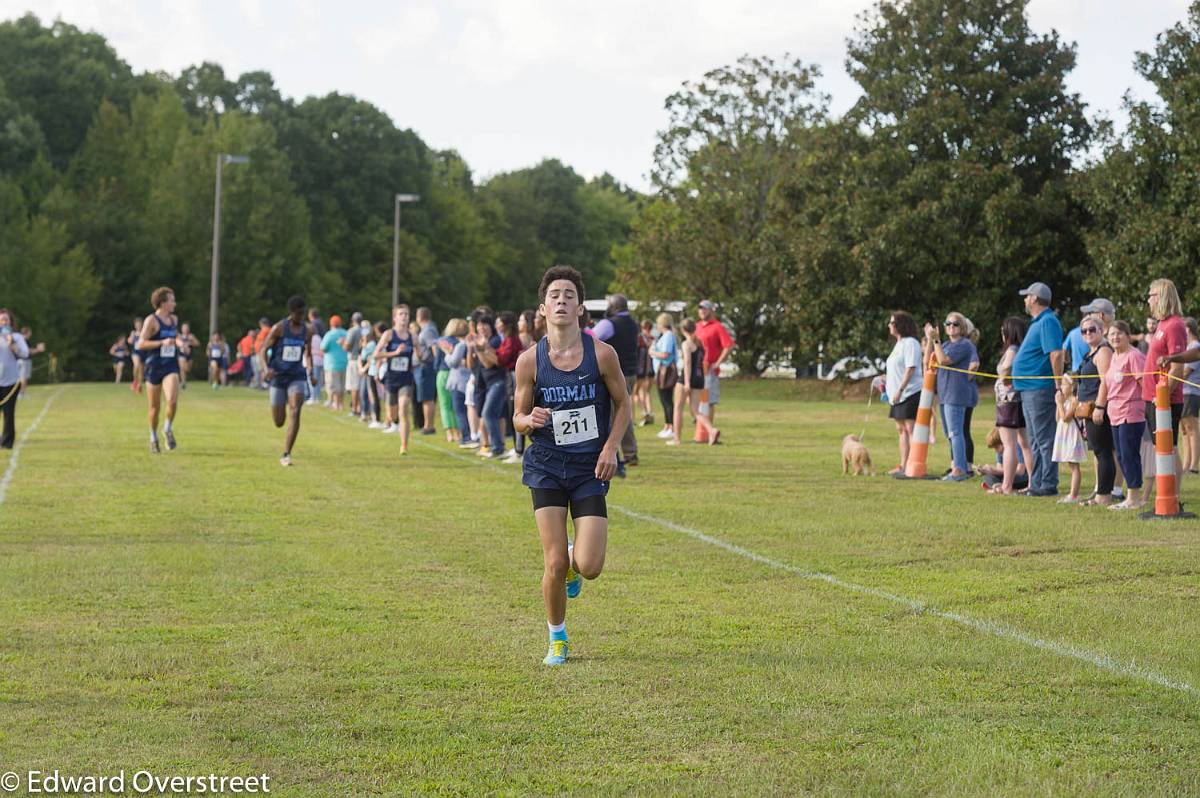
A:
[168,350]
[575,426]
[292,354]
[399,363]
[216,353]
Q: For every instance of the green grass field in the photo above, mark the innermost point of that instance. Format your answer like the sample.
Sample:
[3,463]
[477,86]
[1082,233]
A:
[363,625]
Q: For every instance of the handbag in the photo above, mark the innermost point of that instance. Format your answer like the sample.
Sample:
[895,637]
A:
[666,376]
[1084,410]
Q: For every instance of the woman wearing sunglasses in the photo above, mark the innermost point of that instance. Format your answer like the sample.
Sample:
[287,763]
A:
[1093,399]
[957,392]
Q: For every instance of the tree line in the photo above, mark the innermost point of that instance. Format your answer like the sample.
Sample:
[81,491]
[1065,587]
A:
[106,192]
[965,171]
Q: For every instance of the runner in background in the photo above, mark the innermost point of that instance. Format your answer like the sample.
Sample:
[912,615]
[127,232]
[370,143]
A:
[187,345]
[135,355]
[159,344]
[119,352]
[287,351]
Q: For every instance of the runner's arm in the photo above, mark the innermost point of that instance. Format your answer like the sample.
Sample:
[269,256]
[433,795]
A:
[268,342]
[610,370]
[149,328]
[526,417]
[381,352]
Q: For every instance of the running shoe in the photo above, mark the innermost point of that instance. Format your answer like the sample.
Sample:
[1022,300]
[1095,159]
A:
[664,434]
[374,425]
[286,460]
[390,428]
[170,439]
[154,448]
[574,580]
[557,654]
[513,459]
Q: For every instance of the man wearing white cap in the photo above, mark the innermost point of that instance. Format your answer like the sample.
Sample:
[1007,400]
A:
[1038,367]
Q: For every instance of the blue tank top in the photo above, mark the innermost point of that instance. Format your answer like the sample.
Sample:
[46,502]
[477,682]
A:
[167,353]
[578,402]
[398,369]
[287,353]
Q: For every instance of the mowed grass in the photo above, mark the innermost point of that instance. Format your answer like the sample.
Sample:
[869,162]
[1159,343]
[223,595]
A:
[361,624]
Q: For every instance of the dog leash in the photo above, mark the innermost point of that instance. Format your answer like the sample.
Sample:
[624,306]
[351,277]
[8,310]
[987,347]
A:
[866,416]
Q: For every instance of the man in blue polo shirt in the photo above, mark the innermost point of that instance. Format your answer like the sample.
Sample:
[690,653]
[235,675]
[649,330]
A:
[1040,356]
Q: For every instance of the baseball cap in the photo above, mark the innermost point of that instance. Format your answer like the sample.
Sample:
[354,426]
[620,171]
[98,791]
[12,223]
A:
[1100,305]
[707,304]
[1039,290]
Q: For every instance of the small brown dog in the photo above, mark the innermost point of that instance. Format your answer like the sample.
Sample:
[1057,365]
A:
[854,453]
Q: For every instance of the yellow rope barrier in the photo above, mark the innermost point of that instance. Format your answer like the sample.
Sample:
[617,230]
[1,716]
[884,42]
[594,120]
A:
[988,375]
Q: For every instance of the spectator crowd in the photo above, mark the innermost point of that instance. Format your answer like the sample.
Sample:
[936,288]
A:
[1058,396]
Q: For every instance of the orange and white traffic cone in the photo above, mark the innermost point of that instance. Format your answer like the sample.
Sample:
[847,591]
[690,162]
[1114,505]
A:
[918,452]
[700,436]
[1166,482]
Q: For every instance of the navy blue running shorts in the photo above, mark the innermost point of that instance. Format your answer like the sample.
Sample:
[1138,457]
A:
[552,471]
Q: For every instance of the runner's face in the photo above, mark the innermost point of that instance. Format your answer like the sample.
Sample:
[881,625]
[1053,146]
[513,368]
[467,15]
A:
[5,321]
[168,305]
[400,318]
[561,305]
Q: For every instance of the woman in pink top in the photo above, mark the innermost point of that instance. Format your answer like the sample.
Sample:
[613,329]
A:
[1170,338]
[1126,410]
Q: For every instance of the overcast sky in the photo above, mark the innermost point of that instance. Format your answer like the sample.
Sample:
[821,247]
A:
[509,82]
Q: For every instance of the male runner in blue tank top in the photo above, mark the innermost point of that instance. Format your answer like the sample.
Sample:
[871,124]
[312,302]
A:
[563,390]
[159,345]
[287,352]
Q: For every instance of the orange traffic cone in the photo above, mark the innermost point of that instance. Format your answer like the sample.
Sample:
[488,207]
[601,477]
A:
[700,436]
[1166,483]
[918,452]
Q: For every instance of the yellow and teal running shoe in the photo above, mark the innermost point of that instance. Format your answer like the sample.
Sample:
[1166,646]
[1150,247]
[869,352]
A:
[557,655]
[574,580]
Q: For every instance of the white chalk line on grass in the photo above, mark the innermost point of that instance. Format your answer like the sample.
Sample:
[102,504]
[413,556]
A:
[1100,660]
[1095,658]
[16,452]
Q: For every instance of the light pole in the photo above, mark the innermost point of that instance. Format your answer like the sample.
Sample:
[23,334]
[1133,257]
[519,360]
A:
[396,246]
[222,159]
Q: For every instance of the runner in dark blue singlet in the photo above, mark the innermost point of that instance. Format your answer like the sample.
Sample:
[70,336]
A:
[287,356]
[394,357]
[158,344]
[565,387]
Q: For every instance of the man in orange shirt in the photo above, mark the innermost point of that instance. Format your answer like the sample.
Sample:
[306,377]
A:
[246,353]
[718,343]
[264,329]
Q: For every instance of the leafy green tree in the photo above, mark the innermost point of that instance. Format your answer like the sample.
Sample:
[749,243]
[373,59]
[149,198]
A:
[45,280]
[720,224]
[972,132]
[59,75]
[1142,195]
